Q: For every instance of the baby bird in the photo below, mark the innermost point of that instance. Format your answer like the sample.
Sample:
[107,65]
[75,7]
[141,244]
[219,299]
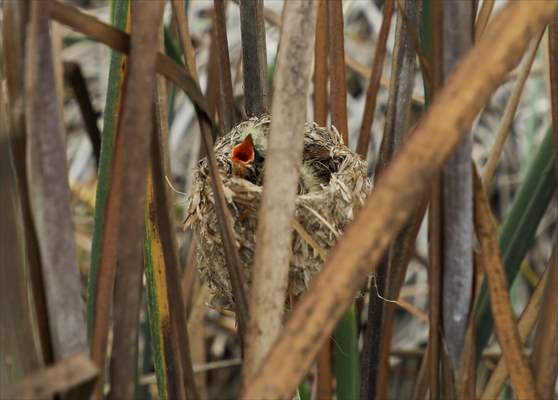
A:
[243,160]
[247,160]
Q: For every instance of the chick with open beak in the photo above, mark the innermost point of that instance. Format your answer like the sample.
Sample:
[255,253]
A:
[246,161]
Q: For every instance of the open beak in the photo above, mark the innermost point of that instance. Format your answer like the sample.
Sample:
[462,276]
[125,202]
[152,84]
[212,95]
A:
[242,157]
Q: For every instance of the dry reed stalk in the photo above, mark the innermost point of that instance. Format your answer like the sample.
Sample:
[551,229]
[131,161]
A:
[506,329]
[482,19]
[283,161]
[228,119]
[321,66]
[15,16]
[398,119]
[457,199]
[435,213]
[225,223]
[545,351]
[324,382]
[553,75]
[338,81]
[525,325]
[126,199]
[62,377]
[254,56]
[49,192]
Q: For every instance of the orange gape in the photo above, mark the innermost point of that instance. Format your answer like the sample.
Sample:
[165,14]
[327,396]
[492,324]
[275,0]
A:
[243,156]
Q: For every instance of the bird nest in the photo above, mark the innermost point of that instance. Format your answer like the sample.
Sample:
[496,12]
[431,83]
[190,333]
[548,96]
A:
[323,208]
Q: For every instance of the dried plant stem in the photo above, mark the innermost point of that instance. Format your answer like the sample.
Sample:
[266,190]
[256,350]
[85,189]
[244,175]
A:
[181,18]
[74,77]
[227,115]
[457,199]
[321,66]
[545,351]
[396,126]
[100,285]
[166,307]
[411,28]
[21,354]
[14,36]
[225,222]
[434,285]
[421,384]
[400,256]
[432,31]
[59,378]
[126,198]
[389,205]
[284,158]
[324,370]
[49,192]
[374,83]
[506,328]
[484,15]
[254,57]
[165,224]
[120,41]
[350,62]
[338,82]
[525,325]
[509,113]
[553,72]
[324,384]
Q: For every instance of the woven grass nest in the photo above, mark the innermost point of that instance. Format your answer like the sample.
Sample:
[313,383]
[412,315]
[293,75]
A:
[322,210]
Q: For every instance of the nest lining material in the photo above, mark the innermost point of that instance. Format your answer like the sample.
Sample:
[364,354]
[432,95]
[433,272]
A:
[320,215]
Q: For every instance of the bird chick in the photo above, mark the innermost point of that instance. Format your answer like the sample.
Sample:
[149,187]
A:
[247,160]
[242,157]
[309,181]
